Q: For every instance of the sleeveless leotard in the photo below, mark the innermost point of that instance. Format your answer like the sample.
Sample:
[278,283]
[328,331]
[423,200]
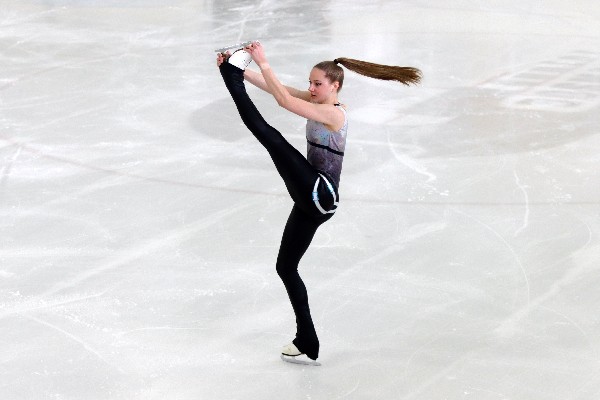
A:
[325,149]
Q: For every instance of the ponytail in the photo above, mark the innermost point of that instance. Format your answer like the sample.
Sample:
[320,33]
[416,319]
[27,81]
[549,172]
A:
[405,75]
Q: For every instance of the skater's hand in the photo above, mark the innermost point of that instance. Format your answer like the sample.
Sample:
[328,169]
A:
[221,57]
[257,52]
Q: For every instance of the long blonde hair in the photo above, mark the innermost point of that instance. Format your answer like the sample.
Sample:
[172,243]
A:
[335,73]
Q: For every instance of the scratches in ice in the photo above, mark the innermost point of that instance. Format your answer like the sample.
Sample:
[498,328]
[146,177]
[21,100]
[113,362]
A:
[508,245]
[585,263]
[158,328]
[526,196]
[348,393]
[85,345]
[5,172]
[252,12]
[443,373]
[574,324]
[410,162]
[148,247]
[34,304]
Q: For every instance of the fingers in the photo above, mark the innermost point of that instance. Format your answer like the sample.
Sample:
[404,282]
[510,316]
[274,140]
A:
[253,46]
[221,57]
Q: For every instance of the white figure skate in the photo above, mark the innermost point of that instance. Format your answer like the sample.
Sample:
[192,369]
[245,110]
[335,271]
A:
[291,354]
[240,58]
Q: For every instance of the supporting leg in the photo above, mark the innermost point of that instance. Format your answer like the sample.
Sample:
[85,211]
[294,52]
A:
[297,236]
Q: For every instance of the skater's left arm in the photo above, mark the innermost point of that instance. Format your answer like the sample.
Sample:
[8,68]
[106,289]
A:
[258,80]
[327,114]
[276,88]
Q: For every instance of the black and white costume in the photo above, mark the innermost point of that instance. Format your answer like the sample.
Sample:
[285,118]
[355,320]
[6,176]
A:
[312,183]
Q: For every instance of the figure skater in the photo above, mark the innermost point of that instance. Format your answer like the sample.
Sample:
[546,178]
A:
[312,182]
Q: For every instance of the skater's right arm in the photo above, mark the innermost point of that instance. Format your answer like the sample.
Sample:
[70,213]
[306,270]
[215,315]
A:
[257,79]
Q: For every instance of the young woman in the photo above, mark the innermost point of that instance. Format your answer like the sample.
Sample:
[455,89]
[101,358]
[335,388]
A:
[312,182]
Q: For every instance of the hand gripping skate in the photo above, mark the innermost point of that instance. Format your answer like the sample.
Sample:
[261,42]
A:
[240,58]
[234,46]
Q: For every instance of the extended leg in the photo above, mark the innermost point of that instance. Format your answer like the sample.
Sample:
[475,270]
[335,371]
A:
[298,175]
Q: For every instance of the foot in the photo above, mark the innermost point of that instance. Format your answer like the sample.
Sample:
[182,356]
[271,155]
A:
[291,350]
[291,354]
[240,58]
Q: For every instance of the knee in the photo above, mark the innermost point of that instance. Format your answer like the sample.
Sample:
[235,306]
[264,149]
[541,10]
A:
[280,269]
[285,270]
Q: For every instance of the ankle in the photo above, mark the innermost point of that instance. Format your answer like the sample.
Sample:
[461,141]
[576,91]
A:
[231,73]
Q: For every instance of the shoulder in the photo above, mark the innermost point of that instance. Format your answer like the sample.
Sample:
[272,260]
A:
[342,107]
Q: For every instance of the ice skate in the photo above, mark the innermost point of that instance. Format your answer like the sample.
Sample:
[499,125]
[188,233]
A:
[240,58]
[291,354]
[233,46]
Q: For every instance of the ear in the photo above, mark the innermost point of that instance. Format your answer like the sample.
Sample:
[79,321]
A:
[336,85]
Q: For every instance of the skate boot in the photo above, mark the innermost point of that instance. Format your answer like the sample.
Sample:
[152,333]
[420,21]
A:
[290,350]
[291,354]
[240,58]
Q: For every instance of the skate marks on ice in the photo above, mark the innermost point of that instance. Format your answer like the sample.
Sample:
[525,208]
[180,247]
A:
[512,112]
[565,84]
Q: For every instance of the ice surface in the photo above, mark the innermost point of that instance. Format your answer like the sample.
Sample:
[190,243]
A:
[140,221]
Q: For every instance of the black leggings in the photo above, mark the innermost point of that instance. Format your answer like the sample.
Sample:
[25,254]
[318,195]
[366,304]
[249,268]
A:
[299,178]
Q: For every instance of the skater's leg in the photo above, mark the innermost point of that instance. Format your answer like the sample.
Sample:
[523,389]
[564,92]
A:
[268,136]
[297,235]
[299,176]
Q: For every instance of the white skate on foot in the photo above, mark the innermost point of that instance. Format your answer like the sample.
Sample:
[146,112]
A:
[240,59]
[291,354]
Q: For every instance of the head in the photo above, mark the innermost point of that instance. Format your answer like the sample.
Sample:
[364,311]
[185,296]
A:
[326,78]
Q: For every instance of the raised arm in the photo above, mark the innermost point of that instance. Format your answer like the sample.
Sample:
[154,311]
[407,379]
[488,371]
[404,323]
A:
[257,79]
[297,102]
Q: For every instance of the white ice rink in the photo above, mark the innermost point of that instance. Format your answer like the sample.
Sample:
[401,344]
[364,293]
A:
[140,221]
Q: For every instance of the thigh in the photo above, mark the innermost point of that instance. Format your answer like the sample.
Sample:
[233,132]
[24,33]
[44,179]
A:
[297,173]
[299,232]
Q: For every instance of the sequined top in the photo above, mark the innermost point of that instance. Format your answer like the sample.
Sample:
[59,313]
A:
[325,148]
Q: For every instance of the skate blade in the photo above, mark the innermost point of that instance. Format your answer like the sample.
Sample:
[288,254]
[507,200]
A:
[295,360]
[234,46]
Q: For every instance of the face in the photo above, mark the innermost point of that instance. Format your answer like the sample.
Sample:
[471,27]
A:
[321,89]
